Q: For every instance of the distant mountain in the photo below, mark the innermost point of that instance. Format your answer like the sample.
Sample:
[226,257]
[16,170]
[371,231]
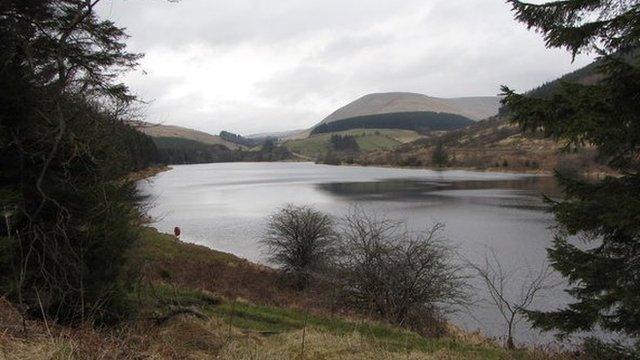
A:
[277,134]
[475,108]
[172,131]
[494,143]
[242,140]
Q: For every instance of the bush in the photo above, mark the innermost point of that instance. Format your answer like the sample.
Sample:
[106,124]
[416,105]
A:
[401,276]
[344,143]
[330,158]
[301,240]
[598,350]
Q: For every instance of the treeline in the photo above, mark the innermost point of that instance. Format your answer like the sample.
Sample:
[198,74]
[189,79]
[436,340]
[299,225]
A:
[589,74]
[344,143]
[419,121]
[244,141]
[172,150]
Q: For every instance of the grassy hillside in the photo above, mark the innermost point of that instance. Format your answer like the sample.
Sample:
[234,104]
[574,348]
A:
[197,303]
[172,131]
[475,108]
[491,144]
[367,139]
[177,150]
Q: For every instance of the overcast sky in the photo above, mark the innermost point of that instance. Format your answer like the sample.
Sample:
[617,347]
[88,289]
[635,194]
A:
[251,66]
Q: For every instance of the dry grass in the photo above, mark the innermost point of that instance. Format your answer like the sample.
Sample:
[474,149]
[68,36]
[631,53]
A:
[322,345]
[265,323]
[494,145]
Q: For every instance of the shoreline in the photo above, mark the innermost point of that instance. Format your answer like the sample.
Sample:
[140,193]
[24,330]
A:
[147,173]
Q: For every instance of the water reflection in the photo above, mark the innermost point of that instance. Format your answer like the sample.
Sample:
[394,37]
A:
[525,193]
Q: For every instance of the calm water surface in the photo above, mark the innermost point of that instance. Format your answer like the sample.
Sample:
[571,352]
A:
[224,206]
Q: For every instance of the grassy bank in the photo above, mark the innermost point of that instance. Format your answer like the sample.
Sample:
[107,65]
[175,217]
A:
[196,303]
[148,172]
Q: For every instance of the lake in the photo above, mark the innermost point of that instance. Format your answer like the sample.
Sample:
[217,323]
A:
[224,206]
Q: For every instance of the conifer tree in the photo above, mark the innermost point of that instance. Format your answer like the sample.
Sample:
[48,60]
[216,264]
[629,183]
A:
[68,213]
[603,265]
[439,155]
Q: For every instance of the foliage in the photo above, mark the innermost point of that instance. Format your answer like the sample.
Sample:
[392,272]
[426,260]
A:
[418,121]
[367,139]
[241,140]
[581,75]
[439,155]
[174,150]
[301,241]
[604,273]
[598,350]
[330,158]
[65,151]
[407,278]
[344,143]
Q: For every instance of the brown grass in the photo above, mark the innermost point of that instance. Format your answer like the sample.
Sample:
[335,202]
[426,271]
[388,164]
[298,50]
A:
[161,258]
[195,277]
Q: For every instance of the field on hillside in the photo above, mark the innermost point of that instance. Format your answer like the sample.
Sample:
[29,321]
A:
[367,139]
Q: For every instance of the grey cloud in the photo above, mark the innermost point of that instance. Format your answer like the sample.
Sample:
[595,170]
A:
[312,56]
[231,22]
[299,84]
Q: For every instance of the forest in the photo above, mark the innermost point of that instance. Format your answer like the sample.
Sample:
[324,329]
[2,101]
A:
[418,121]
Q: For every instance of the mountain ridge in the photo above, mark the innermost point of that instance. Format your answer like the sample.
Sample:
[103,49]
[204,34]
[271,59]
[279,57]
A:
[174,131]
[475,108]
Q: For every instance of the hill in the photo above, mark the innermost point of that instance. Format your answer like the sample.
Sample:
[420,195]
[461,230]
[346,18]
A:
[248,142]
[475,108]
[492,144]
[279,134]
[172,131]
[367,139]
[421,121]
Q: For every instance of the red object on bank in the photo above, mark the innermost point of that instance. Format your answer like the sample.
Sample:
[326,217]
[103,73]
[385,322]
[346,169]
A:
[176,231]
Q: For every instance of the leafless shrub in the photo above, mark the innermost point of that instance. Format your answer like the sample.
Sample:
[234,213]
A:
[512,305]
[301,240]
[399,275]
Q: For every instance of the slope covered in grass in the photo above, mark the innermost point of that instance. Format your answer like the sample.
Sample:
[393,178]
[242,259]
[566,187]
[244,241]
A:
[197,303]
[367,139]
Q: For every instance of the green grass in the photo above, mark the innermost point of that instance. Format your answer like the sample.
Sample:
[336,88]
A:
[273,320]
[155,246]
[367,139]
[278,324]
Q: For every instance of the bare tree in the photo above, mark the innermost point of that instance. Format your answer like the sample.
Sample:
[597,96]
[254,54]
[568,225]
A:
[400,275]
[301,240]
[500,283]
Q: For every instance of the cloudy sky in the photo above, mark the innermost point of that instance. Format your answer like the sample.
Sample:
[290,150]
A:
[251,66]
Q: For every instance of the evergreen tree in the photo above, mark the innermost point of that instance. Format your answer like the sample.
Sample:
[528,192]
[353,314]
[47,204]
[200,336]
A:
[69,215]
[604,272]
[439,155]
[344,143]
